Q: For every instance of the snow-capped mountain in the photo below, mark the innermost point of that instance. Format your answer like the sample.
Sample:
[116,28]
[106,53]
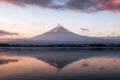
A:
[61,35]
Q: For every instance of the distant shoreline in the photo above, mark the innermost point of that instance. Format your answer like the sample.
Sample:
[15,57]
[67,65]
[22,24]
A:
[4,45]
[34,48]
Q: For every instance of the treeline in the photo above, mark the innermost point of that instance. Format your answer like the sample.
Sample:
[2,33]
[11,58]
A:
[61,45]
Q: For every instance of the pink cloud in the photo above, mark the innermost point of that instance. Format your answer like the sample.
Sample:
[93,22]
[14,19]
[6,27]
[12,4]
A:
[76,5]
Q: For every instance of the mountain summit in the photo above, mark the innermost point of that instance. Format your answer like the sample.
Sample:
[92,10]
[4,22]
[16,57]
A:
[59,28]
[60,35]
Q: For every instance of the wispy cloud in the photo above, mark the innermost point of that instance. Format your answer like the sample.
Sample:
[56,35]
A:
[41,3]
[5,33]
[84,29]
[76,5]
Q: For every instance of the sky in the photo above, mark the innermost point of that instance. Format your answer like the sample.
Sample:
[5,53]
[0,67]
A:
[27,18]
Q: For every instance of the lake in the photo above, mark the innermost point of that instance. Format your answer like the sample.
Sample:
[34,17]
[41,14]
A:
[59,64]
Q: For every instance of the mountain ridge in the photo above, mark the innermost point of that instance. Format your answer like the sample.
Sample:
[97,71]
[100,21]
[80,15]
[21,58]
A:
[60,35]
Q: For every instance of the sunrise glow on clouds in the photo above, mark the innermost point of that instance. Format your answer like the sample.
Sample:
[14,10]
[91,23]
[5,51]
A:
[33,17]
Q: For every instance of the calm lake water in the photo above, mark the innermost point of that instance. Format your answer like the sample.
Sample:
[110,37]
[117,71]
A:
[59,64]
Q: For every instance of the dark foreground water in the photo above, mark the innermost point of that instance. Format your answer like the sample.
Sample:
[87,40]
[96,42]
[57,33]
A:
[59,64]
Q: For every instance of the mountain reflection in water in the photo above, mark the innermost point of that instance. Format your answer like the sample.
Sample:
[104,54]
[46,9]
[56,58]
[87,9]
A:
[6,61]
[60,64]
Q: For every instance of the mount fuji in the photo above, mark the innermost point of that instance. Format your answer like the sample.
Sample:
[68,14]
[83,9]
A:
[61,35]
